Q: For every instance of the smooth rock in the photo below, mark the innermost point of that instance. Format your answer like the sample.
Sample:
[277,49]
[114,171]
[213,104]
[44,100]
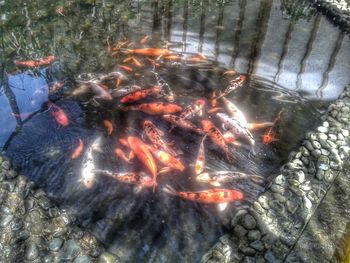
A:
[248,222]
[239,231]
[322,129]
[316,153]
[277,188]
[71,250]
[31,251]
[280,180]
[292,206]
[55,244]
[316,144]
[107,257]
[257,245]
[254,235]
[264,202]
[83,259]
[11,174]
[6,220]
[6,165]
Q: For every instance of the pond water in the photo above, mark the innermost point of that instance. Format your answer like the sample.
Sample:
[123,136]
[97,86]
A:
[295,62]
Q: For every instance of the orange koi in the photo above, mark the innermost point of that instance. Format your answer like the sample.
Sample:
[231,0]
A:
[36,63]
[144,155]
[119,153]
[197,58]
[140,179]
[213,100]
[167,159]
[155,136]
[151,52]
[153,62]
[127,59]
[144,40]
[210,196]
[126,68]
[200,161]
[173,57]
[233,85]
[182,123]
[213,110]
[217,137]
[77,152]
[262,125]
[196,109]
[270,135]
[136,62]
[59,114]
[155,108]
[140,94]
[109,126]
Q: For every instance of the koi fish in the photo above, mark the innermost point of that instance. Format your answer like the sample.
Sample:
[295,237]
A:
[36,63]
[200,160]
[213,110]
[173,57]
[126,68]
[119,153]
[165,90]
[109,126]
[144,40]
[213,100]
[140,94]
[233,85]
[235,127]
[230,138]
[139,179]
[196,58]
[78,151]
[218,177]
[59,114]
[88,163]
[210,196]
[89,86]
[155,136]
[229,72]
[270,135]
[167,159]
[192,110]
[123,91]
[217,137]
[182,123]
[150,52]
[233,111]
[55,86]
[155,108]
[142,153]
[262,125]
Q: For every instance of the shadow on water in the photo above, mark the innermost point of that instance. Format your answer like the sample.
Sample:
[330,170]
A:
[156,226]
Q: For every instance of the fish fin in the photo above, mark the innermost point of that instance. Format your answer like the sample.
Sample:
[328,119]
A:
[222,206]
[215,183]
[165,170]
[168,189]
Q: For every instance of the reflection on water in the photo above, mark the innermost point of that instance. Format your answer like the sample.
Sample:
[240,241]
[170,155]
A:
[280,56]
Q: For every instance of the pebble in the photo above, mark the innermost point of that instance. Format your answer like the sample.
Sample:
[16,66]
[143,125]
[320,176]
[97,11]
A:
[316,144]
[257,245]
[346,133]
[263,200]
[277,188]
[305,152]
[280,198]
[6,165]
[55,244]
[292,206]
[246,250]
[332,137]
[31,251]
[280,180]
[316,153]
[11,174]
[83,259]
[300,176]
[308,145]
[71,250]
[248,222]
[322,129]
[107,257]
[320,174]
[6,220]
[254,235]
[239,231]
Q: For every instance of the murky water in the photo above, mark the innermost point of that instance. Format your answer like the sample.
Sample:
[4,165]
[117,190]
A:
[297,67]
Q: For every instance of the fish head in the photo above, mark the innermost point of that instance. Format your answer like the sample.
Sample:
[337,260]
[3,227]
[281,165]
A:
[147,123]
[88,182]
[241,78]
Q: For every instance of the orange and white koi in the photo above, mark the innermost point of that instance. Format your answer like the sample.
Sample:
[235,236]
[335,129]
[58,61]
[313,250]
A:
[192,110]
[142,153]
[182,123]
[230,124]
[150,52]
[78,151]
[233,111]
[59,114]
[233,85]
[140,94]
[109,126]
[270,135]
[92,87]
[166,159]
[200,160]
[217,137]
[219,177]
[155,108]
[140,179]
[125,90]
[155,136]
[210,196]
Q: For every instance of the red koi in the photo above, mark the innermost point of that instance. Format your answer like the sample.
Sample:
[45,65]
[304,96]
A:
[210,196]
[109,126]
[126,68]
[150,52]
[144,155]
[140,94]
[270,135]
[78,151]
[59,114]
[156,108]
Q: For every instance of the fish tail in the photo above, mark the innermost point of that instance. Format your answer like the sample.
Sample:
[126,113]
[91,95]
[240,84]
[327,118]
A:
[168,189]
[230,157]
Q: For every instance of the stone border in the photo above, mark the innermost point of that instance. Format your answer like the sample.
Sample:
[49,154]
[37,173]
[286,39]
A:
[32,229]
[337,10]
[269,229]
